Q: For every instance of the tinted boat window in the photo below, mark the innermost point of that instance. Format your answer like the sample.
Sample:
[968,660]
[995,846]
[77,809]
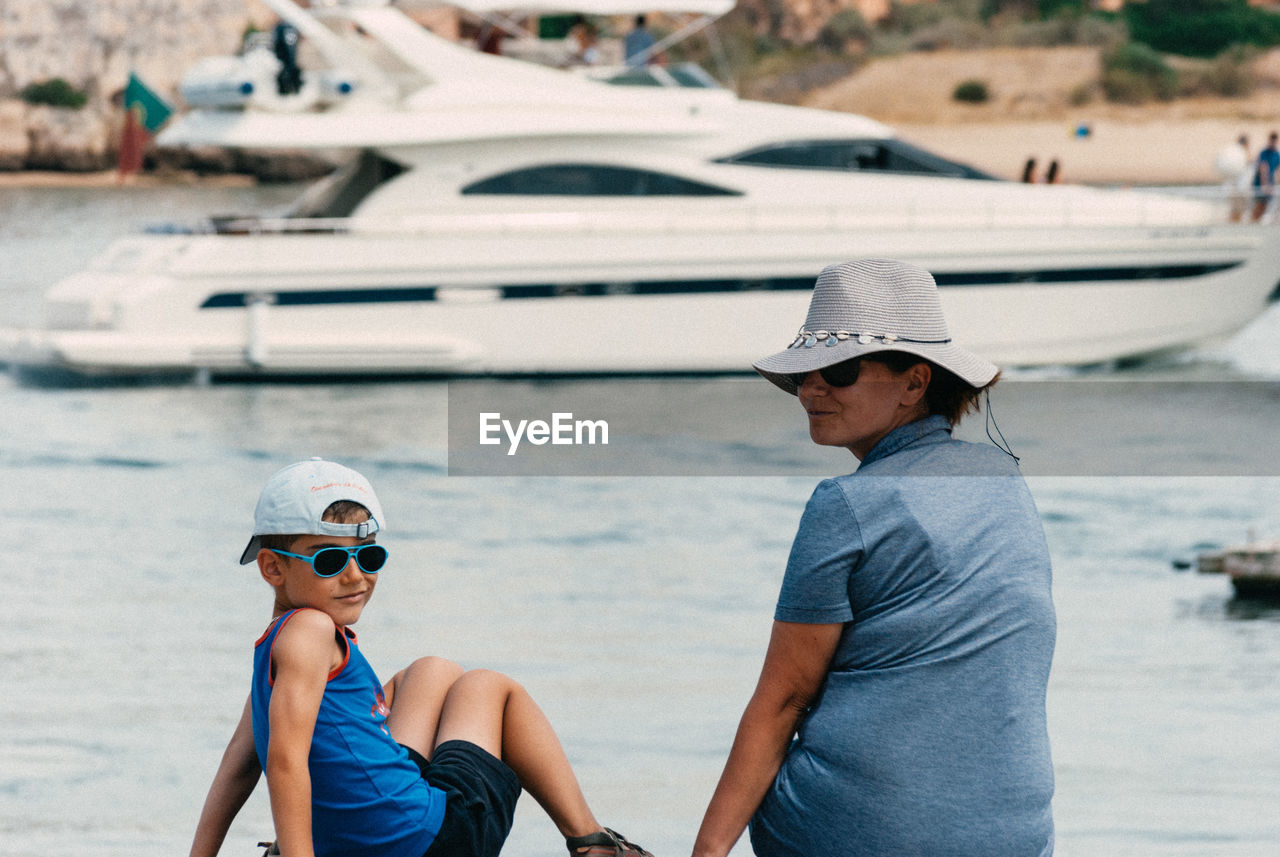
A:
[634,77]
[684,74]
[692,75]
[887,156]
[591,180]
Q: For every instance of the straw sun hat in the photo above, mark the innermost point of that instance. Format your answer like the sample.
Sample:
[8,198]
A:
[868,306]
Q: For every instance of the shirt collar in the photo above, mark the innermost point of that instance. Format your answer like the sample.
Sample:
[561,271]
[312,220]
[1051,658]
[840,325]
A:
[906,435]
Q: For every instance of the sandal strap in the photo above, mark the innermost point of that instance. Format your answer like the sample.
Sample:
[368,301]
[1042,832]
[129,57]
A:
[605,842]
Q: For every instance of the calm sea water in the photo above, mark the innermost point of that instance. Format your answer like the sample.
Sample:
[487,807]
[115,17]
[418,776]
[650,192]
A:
[635,608]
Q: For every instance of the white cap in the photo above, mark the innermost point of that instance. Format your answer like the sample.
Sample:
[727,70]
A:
[294,500]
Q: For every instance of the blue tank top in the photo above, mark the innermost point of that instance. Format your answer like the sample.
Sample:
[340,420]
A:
[368,799]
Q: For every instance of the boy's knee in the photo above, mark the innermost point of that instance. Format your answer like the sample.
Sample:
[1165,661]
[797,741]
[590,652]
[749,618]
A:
[490,679]
[432,669]
[440,667]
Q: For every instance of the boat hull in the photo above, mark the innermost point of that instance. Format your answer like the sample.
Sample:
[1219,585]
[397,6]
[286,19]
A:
[625,301]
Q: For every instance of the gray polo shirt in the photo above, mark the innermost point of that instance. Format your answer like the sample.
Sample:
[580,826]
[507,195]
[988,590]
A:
[929,737]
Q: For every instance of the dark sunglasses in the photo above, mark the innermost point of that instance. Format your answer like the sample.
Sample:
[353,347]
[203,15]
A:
[327,562]
[840,375]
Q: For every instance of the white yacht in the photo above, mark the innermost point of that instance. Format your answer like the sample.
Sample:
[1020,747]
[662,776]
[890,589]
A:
[507,218]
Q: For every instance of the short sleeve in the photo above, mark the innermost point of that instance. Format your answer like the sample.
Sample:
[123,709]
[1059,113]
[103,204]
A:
[827,548]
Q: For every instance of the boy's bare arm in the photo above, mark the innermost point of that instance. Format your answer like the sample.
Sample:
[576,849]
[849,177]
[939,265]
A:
[237,775]
[303,655]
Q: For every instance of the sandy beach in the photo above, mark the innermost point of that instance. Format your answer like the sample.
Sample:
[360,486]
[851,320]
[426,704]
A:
[1031,114]
[1156,151]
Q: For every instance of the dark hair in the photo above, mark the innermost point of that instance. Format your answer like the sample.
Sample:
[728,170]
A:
[337,512]
[947,395]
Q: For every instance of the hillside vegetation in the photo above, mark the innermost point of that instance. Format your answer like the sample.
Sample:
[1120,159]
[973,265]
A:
[1026,84]
[1152,51]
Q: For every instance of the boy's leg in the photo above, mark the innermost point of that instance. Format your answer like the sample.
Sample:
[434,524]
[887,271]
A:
[496,713]
[416,697]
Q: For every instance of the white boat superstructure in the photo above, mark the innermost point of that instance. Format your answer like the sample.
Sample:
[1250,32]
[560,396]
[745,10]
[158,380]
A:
[503,218]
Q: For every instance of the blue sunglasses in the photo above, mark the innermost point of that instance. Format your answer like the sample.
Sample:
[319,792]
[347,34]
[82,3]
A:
[328,562]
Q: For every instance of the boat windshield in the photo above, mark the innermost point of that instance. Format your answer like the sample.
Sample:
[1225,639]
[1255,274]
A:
[868,155]
[573,179]
[686,74]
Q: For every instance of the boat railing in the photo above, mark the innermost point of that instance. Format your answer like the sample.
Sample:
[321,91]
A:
[255,225]
[1205,207]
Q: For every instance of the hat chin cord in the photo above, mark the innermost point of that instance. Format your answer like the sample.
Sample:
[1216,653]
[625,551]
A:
[1002,444]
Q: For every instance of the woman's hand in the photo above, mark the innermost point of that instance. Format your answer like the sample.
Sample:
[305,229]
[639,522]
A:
[795,667]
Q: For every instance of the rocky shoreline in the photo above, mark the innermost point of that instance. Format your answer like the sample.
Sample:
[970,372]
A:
[87,140]
[94,47]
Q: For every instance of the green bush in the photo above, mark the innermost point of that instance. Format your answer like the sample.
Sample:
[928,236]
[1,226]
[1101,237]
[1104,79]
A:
[1133,73]
[971,92]
[55,93]
[1201,28]
[1137,58]
[1056,8]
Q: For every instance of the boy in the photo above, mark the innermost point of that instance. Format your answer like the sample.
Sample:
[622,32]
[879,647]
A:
[429,765]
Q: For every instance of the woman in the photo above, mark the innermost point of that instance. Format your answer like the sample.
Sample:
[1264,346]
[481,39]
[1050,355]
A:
[901,707]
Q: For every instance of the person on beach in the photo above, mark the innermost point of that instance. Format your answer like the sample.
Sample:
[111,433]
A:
[1232,163]
[900,709]
[431,763]
[1264,179]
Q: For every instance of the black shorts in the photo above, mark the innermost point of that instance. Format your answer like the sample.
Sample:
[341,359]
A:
[480,799]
